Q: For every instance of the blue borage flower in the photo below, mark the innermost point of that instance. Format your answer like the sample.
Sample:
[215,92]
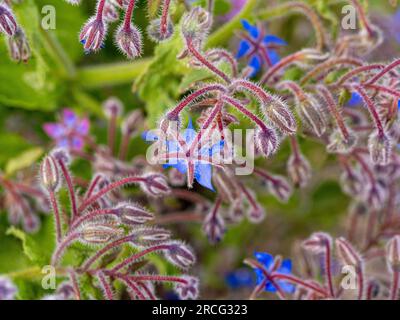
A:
[258,47]
[267,261]
[201,160]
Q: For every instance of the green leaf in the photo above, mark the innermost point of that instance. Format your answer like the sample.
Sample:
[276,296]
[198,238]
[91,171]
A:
[24,160]
[10,145]
[38,247]
[27,85]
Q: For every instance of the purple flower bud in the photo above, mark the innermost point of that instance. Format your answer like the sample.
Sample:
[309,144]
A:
[7,289]
[214,226]
[155,33]
[31,222]
[18,47]
[380,147]
[340,144]
[266,141]
[317,242]
[347,254]
[255,214]
[61,154]
[180,255]
[155,185]
[149,236]
[237,212]
[8,25]
[352,182]
[113,107]
[278,113]
[129,41]
[393,253]
[132,122]
[280,188]
[49,174]
[299,170]
[93,34]
[196,24]
[189,289]
[312,116]
[132,214]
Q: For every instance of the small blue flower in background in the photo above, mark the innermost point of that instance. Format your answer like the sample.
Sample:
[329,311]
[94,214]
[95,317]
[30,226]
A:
[7,289]
[240,278]
[201,160]
[258,47]
[267,261]
[354,100]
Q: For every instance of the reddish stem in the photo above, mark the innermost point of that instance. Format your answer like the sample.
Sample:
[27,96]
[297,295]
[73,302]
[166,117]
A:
[128,15]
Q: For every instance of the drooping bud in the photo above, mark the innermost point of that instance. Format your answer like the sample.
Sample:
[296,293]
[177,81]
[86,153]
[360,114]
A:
[317,242]
[8,25]
[187,289]
[278,113]
[352,182]
[196,24]
[129,41]
[18,47]
[147,236]
[299,170]
[347,254]
[393,253]
[180,255]
[280,188]
[266,141]
[31,222]
[340,144]
[380,147]
[214,226]
[156,34]
[132,122]
[113,107]
[155,185]
[62,155]
[132,214]
[312,115]
[256,213]
[93,34]
[49,174]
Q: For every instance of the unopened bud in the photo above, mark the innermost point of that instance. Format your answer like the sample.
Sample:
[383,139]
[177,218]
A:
[299,170]
[100,232]
[340,144]
[155,185]
[132,122]
[93,34]
[196,24]
[317,242]
[18,47]
[214,227]
[49,174]
[278,113]
[132,214]
[180,255]
[155,32]
[266,141]
[113,107]
[312,115]
[347,254]
[129,41]
[110,13]
[8,25]
[146,236]
[380,147]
